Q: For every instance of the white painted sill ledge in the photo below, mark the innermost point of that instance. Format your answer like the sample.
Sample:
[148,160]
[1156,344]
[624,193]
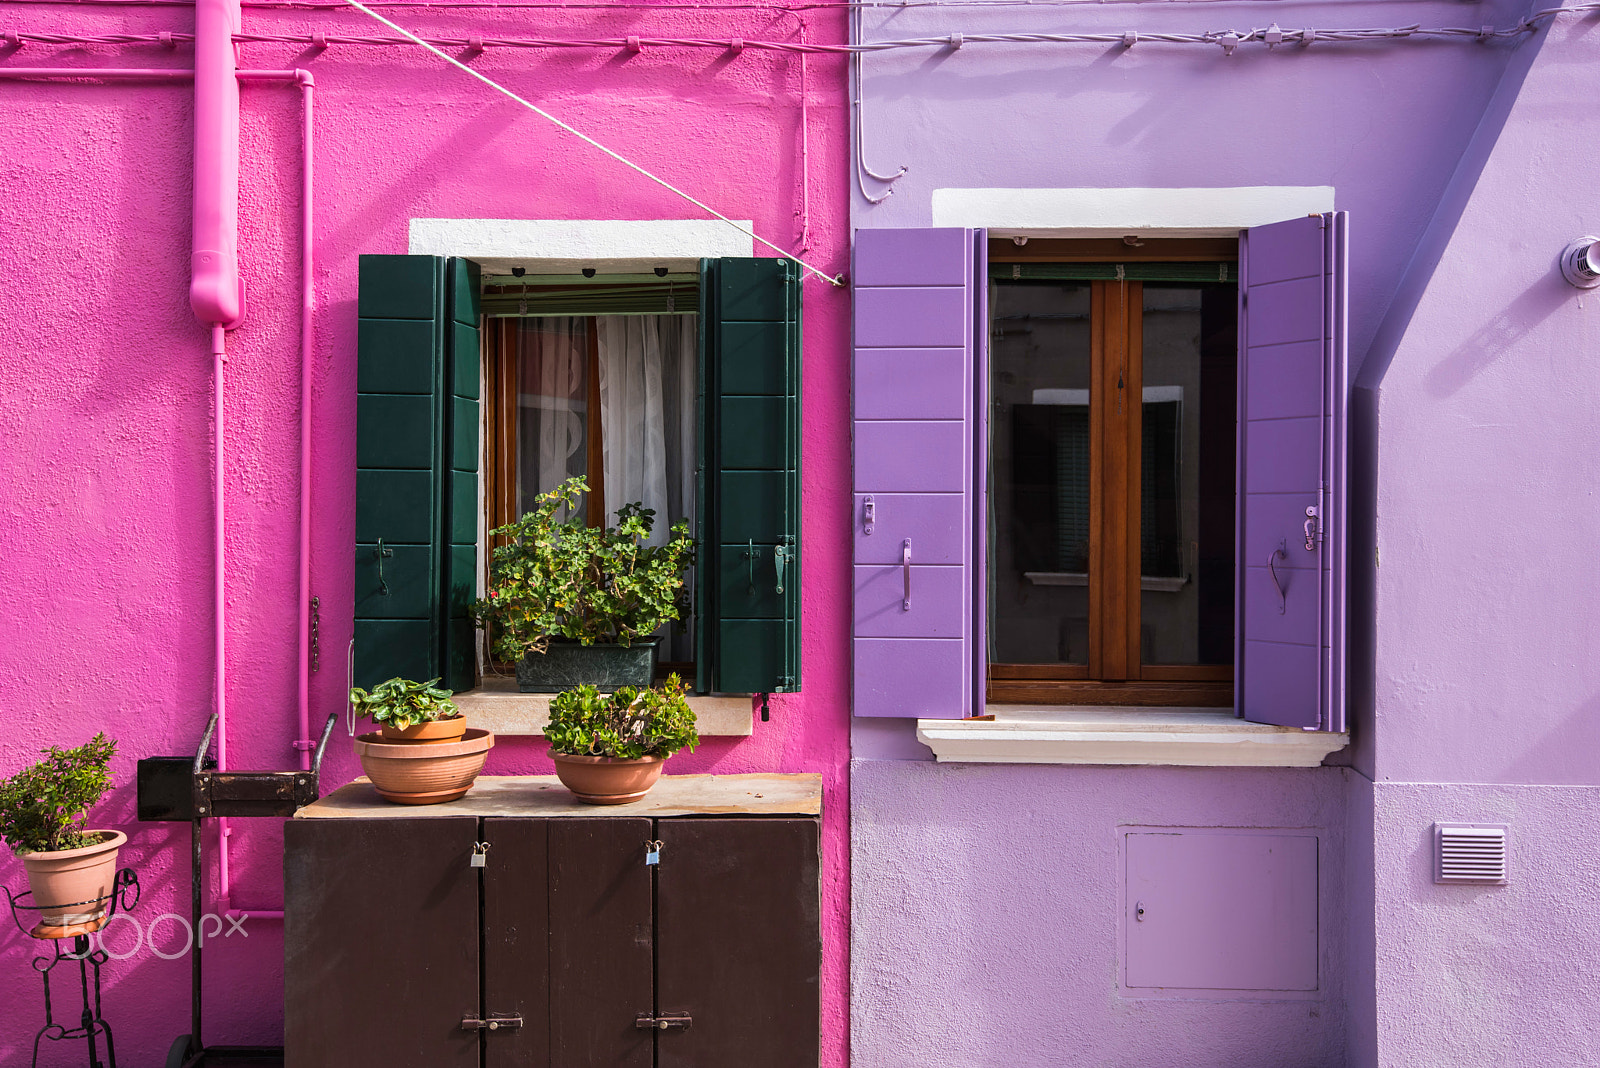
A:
[1191,737]
[498,706]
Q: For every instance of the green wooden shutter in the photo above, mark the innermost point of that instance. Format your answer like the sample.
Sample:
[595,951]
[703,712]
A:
[416,469]
[748,630]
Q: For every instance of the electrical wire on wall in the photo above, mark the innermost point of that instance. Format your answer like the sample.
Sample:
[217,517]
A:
[1228,40]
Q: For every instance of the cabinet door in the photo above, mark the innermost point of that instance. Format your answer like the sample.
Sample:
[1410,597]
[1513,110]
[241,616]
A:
[516,941]
[380,942]
[739,942]
[601,974]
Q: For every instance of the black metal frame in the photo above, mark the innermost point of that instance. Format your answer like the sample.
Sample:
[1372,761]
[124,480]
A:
[212,794]
[91,1024]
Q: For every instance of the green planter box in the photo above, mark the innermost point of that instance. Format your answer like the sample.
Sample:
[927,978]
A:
[569,664]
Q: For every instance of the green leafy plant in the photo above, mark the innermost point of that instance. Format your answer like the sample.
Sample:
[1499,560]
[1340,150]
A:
[564,579]
[44,807]
[401,703]
[636,721]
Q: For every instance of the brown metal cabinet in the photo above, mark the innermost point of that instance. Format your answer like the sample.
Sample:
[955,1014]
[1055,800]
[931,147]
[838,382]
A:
[566,947]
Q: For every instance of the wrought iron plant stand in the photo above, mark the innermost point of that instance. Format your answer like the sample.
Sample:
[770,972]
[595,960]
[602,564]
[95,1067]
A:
[91,1025]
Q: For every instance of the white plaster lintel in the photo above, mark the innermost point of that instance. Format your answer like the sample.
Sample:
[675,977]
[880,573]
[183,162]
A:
[562,246]
[1199,737]
[498,705]
[1175,212]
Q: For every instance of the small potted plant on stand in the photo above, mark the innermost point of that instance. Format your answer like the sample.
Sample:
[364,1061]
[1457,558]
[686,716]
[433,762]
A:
[571,604]
[425,753]
[609,748]
[71,871]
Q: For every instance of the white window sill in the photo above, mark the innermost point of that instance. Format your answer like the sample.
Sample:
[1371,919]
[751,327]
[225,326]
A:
[1193,737]
[497,705]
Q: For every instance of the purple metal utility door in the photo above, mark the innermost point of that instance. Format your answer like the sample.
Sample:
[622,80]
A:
[1292,394]
[914,445]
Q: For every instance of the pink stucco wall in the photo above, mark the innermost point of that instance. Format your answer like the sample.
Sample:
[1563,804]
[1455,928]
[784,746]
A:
[107,436]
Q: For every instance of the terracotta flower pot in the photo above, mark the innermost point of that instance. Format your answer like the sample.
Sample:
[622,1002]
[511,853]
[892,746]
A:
[74,885]
[411,774]
[596,780]
[440,730]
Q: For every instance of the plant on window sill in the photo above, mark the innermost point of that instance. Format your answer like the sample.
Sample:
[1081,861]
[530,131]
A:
[561,581]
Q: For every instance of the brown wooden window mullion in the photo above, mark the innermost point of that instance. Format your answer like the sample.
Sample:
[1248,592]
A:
[1116,404]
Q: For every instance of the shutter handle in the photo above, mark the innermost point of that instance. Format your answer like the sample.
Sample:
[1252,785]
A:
[750,557]
[380,552]
[1272,569]
[869,514]
[779,556]
[905,564]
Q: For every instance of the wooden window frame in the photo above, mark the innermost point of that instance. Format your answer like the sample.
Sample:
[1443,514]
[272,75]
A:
[1114,674]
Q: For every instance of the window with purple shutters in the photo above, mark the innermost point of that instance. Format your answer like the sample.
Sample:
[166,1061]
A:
[1234,523]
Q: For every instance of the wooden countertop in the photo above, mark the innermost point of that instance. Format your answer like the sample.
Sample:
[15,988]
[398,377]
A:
[543,795]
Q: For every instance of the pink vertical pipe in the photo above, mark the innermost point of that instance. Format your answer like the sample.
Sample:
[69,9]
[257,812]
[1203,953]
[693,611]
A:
[216,292]
[308,307]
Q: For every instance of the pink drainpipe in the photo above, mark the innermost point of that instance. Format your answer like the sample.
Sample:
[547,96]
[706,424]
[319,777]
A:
[217,296]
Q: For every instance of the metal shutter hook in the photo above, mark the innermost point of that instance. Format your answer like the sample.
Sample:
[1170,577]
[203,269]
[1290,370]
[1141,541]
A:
[905,563]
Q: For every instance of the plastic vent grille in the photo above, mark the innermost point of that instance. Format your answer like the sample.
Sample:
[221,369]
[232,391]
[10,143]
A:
[1469,853]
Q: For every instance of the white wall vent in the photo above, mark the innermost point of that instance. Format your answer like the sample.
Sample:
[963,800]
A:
[1469,853]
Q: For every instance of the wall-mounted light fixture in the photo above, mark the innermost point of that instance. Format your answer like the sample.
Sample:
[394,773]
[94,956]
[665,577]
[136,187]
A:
[588,272]
[1580,262]
[661,272]
[518,272]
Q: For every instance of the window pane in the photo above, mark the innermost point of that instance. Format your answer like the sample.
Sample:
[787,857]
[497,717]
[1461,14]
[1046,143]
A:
[1187,474]
[1039,473]
[552,404]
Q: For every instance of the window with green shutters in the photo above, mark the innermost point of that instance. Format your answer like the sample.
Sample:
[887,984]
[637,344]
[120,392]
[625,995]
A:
[418,500]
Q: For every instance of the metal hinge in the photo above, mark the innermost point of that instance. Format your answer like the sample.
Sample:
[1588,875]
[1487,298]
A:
[492,1022]
[645,1022]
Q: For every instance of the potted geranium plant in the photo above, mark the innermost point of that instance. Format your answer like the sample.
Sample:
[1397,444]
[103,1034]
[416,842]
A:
[571,604]
[425,753]
[72,871]
[609,748]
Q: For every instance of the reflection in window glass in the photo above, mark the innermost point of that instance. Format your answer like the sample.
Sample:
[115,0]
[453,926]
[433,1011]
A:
[1039,351]
[1187,474]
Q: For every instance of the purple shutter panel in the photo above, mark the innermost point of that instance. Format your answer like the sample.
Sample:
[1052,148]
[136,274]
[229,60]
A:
[914,441]
[1292,393]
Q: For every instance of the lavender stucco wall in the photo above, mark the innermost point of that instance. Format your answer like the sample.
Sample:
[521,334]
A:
[985,913]
[1485,676]
[105,436]
[1475,446]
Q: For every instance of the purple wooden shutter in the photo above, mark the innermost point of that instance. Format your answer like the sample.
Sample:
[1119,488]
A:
[1292,391]
[914,438]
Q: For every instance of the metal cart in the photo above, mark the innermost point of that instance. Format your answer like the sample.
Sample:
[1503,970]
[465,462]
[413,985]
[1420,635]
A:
[191,790]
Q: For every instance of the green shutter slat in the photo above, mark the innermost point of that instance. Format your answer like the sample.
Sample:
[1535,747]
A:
[400,287]
[397,506]
[394,431]
[395,356]
[749,477]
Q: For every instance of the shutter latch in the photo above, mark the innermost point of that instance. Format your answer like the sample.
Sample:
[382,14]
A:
[869,509]
[492,1022]
[1311,528]
[665,1022]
